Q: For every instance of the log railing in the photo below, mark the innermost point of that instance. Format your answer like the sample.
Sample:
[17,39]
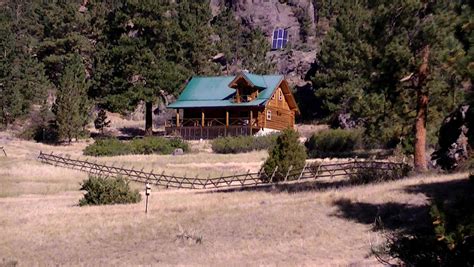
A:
[309,171]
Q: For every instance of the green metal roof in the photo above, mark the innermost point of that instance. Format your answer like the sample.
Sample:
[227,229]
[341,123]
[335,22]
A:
[215,91]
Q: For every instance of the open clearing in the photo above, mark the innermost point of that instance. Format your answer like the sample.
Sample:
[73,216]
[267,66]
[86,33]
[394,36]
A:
[305,224]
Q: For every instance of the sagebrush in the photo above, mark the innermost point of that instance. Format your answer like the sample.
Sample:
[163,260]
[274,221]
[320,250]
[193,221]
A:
[147,145]
[241,144]
[334,143]
[107,191]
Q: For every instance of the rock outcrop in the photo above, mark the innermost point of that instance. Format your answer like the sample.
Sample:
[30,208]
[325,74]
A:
[295,61]
[456,138]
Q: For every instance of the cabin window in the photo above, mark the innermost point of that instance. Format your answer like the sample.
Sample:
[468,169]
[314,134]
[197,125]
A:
[280,95]
[273,96]
[269,115]
[280,38]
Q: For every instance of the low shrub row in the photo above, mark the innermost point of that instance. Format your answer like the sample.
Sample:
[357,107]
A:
[106,191]
[334,143]
[147,145]
[240,144]
[374,175]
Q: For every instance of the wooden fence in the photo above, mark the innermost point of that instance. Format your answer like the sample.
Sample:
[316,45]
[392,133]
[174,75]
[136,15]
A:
[309,171]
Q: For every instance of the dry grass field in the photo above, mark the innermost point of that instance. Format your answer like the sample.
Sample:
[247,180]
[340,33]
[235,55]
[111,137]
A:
[313,224]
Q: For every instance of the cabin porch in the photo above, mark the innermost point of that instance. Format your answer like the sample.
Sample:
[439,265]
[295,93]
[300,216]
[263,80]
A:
[193,124]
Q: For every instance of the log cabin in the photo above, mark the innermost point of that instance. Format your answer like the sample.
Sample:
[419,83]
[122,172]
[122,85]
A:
[243,104]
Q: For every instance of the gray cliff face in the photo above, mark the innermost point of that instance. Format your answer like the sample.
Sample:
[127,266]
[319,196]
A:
[295,61]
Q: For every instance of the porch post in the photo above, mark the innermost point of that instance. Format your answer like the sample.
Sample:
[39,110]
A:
[226,121]
[250,122]
[177,117]
[202,118]
[202,122]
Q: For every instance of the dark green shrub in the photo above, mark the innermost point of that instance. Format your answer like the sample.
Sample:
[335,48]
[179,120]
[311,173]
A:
[241,144]
[106,191]
[287,151]
[107,147]
[334,143]
[374,175]
[156,145]
[147,145]
[446,239]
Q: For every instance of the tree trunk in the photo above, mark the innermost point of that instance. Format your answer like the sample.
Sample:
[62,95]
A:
[148,118]
[421,112]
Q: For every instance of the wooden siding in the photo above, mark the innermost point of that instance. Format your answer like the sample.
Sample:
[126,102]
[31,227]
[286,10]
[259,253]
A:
[281,115]
[280,118]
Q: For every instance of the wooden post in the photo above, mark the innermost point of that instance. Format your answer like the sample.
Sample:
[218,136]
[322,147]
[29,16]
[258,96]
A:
[250,122]
[177,117]
[202,121]
[202,118]
[226,121]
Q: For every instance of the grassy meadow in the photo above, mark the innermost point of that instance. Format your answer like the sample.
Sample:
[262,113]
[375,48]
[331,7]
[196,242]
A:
[305,224]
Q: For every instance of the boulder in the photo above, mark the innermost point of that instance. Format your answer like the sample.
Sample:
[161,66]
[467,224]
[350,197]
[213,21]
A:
[178,152]
[455,139]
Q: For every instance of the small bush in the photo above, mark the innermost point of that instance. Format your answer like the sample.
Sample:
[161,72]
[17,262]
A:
[287,152]
[374,175]
[107,147]
[106,191]
[241,144]
[334,143]
[147,145]
[157,145]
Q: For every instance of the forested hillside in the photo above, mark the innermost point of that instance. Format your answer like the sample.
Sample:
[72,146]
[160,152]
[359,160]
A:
[378,65]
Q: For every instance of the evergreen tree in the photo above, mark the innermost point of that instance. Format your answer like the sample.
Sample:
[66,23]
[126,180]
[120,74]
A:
[243,47]
[140,58]
[287,153]
[382,63]
[22,77]
[344,68]
[71,107]
[101,121]
[192,36]
[254,53]
[62,33]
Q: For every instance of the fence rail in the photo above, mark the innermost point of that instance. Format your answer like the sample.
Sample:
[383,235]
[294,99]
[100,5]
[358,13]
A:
[309,171]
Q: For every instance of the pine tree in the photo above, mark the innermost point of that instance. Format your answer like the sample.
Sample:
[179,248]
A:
[254,53]
[287,153]
[22,78]
[383,62]
[71,107]
[344,68]
[245,48]
[139,58]
[101,121]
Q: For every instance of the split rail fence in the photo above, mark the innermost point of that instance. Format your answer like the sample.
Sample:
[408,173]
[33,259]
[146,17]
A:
[309,171]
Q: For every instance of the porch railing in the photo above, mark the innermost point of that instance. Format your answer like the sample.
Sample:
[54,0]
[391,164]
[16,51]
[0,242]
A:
[212,122]
[198,132]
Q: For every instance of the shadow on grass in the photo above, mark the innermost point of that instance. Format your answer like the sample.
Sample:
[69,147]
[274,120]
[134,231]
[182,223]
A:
[413,238]
[287,187]
[127,133]
[401,216]
[390,215]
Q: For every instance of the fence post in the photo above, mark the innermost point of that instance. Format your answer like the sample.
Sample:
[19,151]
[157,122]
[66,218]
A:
[273,174]
[302,171]
[319,168]
[288,172]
